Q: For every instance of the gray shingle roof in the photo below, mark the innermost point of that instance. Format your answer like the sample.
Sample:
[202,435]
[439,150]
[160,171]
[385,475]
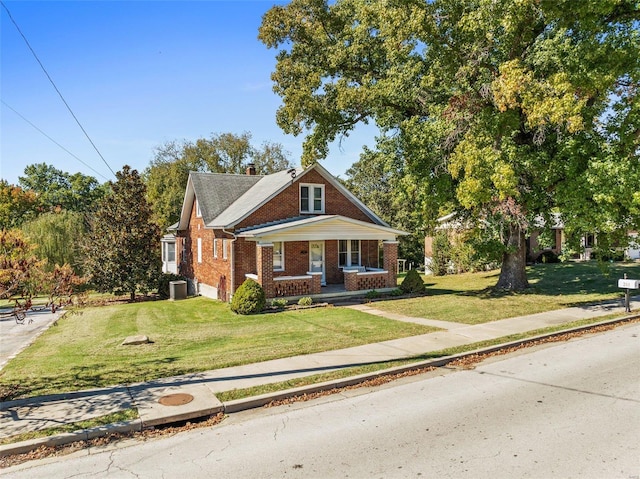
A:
[216,192]
[227,199]
[255,196]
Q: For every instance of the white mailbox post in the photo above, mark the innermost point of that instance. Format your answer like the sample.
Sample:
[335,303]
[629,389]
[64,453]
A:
[628,284]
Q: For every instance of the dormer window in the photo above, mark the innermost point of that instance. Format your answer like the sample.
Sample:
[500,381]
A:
[311,198]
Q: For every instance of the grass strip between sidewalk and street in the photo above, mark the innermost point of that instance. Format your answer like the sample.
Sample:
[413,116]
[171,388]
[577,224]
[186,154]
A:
[380,366]
[119,416]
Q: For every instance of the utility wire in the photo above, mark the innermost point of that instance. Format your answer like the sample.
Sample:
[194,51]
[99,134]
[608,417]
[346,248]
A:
[34,126]
[56,88]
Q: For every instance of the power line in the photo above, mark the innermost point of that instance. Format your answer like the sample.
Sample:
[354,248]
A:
[34,126]
[56,88]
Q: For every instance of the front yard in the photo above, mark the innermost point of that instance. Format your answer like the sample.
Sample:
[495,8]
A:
[467,298]
[84,351]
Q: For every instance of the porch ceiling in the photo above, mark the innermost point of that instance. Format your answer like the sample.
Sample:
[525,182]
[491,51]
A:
[323,227]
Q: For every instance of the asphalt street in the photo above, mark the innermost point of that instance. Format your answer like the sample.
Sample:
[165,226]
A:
[15,337]
[567,410]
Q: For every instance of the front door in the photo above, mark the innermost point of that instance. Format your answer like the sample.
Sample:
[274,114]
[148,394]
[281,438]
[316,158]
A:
[316,259]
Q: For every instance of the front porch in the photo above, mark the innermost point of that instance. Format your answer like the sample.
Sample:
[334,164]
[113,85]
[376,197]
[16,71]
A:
[323,256]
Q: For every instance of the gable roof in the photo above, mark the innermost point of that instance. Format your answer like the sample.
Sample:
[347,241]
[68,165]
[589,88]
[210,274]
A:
[225,199]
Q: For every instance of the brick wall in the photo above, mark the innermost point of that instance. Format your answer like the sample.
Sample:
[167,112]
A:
[287,204]
[215,272]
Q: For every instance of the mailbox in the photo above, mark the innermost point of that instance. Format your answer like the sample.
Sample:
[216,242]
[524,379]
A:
[629,283]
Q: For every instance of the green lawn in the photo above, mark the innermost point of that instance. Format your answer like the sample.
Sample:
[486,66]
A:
[85,351]
[469,299]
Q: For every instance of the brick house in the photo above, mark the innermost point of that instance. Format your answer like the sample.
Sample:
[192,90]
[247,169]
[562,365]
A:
[298,233]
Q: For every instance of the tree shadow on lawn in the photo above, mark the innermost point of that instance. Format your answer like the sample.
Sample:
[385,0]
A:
[564,279]
[80,378]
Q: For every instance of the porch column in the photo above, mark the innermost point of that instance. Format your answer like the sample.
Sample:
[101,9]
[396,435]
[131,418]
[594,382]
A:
[264,266]
[316,282]
[351,279]
[390,262]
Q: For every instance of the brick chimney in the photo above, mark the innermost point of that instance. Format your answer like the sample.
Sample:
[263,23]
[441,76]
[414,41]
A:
[251,169]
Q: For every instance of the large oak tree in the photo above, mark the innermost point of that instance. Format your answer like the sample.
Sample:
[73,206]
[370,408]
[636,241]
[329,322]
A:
[507,109]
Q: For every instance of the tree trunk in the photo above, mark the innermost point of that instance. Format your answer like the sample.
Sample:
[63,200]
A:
[513,274]
[132,296]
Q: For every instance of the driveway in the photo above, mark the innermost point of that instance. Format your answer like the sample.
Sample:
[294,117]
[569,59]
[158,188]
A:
[16,337]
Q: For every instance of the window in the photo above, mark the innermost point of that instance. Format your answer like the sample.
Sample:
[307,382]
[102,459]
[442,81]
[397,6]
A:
[198,211]
[224,249]
[311,198]
[215,247]
[199,250]
[348,253]
[355,252]
[170,252]
[278,256]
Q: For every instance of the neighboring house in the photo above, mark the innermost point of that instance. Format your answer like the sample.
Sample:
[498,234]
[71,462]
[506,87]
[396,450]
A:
[298,232]
[453,226]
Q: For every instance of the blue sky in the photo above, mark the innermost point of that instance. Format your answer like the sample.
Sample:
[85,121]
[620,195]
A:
[138,74]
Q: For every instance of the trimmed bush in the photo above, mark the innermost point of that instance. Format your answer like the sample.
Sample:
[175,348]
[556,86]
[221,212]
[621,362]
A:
[373,294]
[279,303]
[163,283]
[249,298]
[306,301]
[412,283]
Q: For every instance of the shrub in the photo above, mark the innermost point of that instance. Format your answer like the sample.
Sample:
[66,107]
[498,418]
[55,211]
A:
[163,283]
[373,294]
[249,298]
[396,292]
[306,301]
[279,303]
[412,283]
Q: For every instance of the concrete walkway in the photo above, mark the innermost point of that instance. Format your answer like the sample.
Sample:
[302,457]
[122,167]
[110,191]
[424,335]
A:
[38,413]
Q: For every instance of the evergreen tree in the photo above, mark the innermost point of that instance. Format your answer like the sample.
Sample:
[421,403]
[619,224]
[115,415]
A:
[123,244]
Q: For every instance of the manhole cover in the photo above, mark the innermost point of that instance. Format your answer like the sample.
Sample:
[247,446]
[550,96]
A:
[177,399]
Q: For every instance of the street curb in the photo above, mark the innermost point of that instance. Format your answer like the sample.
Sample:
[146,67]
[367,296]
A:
[239,405]
[66,438]
[264,399]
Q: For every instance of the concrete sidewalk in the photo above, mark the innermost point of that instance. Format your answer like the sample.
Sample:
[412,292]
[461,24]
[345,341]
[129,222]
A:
[189,396]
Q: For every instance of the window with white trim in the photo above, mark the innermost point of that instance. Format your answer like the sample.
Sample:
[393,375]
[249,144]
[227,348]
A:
[215,247]
[224,248]
[169,252]
[198,211]
[348,253]
[199,250]
[278,256]
[311,198]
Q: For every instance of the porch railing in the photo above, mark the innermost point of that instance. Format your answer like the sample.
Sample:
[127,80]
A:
[357,280]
